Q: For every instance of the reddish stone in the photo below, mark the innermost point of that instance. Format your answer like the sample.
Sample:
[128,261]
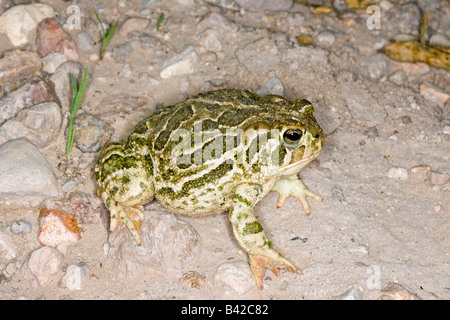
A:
[52,38]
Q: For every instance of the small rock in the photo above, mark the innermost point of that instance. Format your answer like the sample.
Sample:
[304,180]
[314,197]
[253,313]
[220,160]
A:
[371,133]
[272,86]
[406,120]
[39,124]
[398,77]
[394,291]
[434,94]
[420,169]
[438,178]
[325,39]
[16,68]
[376,65]
[409,19]
[42,265]
[92,132]
[20,22]
[208,40]
[262,5]
[85,41]
[26,176]
[52,38]
[180,65]
[61,82]
[33,92]
[57,228]
[338,195]
[236,275]
[132,24]
[214,19]
[52,61]
[20,227]
[354,293]
[446,130]
[74,276]
[168,243]
[398,173]
[440,40]
[296,20]
[8,249]
[121,52]
[69,185]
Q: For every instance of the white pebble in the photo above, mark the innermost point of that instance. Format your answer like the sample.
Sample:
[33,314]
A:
[74,277]
[398,173]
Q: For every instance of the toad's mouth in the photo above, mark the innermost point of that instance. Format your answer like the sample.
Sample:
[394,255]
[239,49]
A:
[295,167]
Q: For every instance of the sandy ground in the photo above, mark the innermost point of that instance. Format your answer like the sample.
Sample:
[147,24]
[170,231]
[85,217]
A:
[371,230]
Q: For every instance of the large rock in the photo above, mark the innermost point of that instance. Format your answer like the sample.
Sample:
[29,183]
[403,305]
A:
[35,91]
[39,124]
[26,177]
[168,243]
[52,38]
[17,67]
[20,22]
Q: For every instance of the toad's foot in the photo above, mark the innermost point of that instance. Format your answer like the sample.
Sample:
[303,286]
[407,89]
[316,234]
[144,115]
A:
[260,262]
[130,216]
[251,237]
[294,187]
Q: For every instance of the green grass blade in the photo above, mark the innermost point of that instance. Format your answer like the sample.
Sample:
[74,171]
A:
[109,35]
[74,87]
[100,21]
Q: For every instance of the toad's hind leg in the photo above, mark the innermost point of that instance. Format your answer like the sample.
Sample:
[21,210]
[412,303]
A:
[124,181]
[251,237]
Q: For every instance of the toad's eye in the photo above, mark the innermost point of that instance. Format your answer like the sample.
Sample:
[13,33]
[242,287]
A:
[292,137]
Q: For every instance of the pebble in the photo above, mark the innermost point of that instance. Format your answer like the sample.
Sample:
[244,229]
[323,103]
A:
[397,173]
[262,5]
[214,19]
[168,243]
[395,291]
[39,124]
[74,276]
[353,293]
[20,227]
[85,42]
[438,178]
[434,94]
[208,40]
[51,37]
[235,275]
[338,195]
[121,52]
[133,24]
[375,65]
[271,86]
[41,266]
[8,249]
[22,161]
[52,61]
[19,22]
[440,40]
[69,185]
[180,65]
[420,169]
[61,82]
[92,132]
[409,18]
[325,39]
[446,130]
[35,91]
[398,77]
[16,68]
[58,228]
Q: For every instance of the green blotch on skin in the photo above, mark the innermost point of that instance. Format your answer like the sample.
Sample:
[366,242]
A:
[240,198]
[252,228]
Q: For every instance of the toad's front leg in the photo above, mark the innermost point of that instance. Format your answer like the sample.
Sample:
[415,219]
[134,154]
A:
[251,237]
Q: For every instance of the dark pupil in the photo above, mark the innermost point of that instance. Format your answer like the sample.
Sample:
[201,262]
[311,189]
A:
[292,136]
